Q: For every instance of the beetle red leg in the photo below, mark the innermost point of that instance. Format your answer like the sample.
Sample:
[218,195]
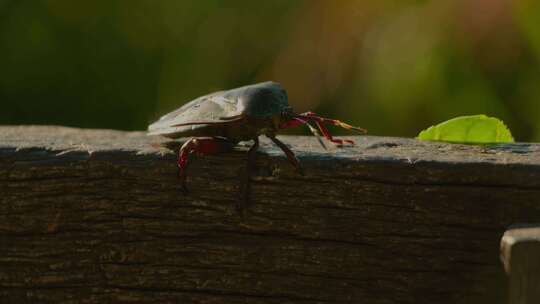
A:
[328,136]
[290,155]
[321,122]
[199,146]
[293,123]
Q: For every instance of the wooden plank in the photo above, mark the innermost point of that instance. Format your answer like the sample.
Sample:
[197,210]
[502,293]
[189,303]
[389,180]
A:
[97,216]
[520,253]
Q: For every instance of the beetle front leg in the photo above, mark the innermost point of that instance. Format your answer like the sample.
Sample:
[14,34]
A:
[328,136]
[321,123]
[290,154]
[199,146]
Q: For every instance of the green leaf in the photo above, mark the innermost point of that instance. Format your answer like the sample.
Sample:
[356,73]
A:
[475,129]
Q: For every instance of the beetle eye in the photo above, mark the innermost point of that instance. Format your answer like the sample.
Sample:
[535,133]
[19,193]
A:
[287,114]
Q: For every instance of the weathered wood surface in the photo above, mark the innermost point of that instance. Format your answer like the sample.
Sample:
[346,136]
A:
[520,254]
[97,216]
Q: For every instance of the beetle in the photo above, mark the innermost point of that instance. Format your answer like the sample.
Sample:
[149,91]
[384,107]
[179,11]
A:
[218,121]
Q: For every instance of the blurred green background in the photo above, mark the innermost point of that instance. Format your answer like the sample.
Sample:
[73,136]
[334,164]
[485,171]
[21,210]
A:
[393,67]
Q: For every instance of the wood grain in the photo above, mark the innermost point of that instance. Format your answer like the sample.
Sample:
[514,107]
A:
[97,216]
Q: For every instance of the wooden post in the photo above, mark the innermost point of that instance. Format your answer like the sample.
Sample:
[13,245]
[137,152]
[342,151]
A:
[520,253]
[97,216]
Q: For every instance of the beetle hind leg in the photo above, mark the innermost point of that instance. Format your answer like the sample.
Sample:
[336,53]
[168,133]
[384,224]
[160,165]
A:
[199,146]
